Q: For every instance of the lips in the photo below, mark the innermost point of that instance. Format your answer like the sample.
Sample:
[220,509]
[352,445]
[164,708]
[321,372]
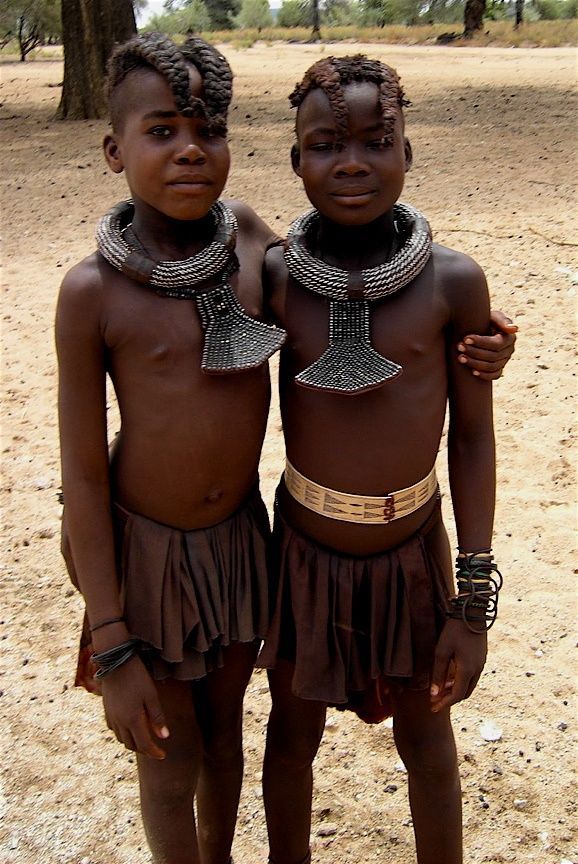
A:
[352,192]
[190,180]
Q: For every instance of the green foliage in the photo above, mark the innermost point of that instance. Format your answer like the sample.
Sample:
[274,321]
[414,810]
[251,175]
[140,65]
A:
[378,13]
[30,22]
[339,13]
[548,10]
[193,18]
[255,13]
[220,12]
[293,14]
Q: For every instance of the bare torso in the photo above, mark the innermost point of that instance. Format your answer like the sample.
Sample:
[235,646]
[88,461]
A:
[375,442]
[188,450]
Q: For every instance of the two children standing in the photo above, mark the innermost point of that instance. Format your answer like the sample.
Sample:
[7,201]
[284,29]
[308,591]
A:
[168,538]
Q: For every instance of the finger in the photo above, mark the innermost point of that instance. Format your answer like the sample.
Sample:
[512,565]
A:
[124,737]
[500,320]
[477,355]
[497,342]
[472,687]
[483,362]
[439,674]
[457,693]
[144,741]
[156,717]
[488,376]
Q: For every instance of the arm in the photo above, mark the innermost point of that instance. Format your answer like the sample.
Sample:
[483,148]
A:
[487,356]
[129,693]
[471,461]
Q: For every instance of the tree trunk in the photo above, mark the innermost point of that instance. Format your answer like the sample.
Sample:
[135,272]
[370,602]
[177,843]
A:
[316,33]
[519,13]
[473,17]
[90,29]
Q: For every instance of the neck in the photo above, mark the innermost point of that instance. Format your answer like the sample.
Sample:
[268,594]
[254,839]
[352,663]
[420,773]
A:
[355,247]
[167,239]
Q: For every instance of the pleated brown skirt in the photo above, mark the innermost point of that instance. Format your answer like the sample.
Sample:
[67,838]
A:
[346,622]
[186,594]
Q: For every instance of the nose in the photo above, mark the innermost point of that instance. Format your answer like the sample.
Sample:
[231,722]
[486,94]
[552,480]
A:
[190,154]
[352,161]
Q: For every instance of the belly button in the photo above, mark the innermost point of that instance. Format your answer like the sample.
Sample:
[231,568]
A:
[214,496]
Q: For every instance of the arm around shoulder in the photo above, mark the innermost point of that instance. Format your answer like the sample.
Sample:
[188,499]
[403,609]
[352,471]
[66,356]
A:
[250,222]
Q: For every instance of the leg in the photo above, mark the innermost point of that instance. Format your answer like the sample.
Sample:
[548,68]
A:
[294,733]
[219,704]
[425,742]
[167,788]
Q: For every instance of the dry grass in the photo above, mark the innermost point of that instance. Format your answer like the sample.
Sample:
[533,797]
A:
[534,34]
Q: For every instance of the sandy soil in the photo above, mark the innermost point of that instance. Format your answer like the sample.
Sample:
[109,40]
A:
[491,131]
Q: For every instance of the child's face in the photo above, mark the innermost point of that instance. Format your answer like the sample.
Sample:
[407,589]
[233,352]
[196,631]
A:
[359,179]
[172,163]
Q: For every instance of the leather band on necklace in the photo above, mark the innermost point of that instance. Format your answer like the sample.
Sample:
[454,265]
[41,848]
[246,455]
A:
[233,340]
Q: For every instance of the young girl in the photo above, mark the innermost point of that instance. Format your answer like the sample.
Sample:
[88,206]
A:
[166,539]
[167,542]
[362,565]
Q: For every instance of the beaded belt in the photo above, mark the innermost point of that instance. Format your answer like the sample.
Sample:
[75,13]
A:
[364,509]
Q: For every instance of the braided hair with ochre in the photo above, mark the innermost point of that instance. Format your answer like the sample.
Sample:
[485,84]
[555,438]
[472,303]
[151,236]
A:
[332,74]
[156,51]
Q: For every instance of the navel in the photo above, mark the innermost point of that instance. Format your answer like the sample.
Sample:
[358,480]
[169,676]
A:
[214,496]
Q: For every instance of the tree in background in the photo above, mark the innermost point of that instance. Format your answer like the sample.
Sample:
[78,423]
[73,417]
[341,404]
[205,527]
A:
[90,29]
[293,13]
[255,14]
[30,23]
[473,17]
[221,12]
[341,13]
[193,18]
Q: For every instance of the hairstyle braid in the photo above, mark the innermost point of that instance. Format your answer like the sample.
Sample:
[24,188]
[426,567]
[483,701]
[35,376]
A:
[156,51]
[334,73]
[217,78]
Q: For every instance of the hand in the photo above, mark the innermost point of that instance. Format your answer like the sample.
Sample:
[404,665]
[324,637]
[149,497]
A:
[487,355]
[459,659]
[133,710]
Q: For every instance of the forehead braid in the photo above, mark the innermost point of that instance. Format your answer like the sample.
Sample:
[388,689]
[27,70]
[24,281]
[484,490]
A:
[334,73]
[156,51]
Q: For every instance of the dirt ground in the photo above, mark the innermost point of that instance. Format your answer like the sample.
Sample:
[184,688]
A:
[491,132]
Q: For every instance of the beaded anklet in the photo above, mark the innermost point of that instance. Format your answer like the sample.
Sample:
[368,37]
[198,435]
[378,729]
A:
[479,583]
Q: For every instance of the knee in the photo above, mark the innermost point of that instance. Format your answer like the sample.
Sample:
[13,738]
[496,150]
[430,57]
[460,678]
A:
[429,758]
[293,746]
[223,746]
[167,793]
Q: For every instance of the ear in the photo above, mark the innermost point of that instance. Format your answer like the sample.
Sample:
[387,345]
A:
[408,153]
[112,154]
[296,159]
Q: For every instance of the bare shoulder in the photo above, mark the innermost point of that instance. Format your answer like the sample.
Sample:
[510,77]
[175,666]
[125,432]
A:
[464,287]
[275,281]
[83,280]
[81,291]
[275,263]
[250,223]
[455,269]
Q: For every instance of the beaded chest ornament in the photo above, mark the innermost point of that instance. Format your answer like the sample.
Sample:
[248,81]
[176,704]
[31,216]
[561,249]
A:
[233,340]
[350,364]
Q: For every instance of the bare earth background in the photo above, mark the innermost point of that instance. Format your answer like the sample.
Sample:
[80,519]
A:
[491,131]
